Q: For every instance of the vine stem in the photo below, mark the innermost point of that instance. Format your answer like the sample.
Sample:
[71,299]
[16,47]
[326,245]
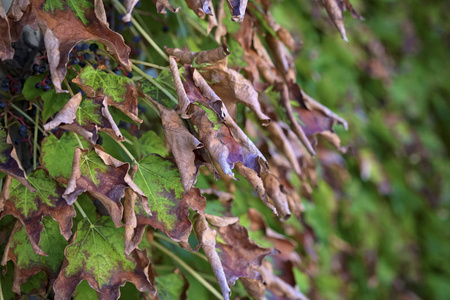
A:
[79,141]
[141,30]
[26,116]
[163,237]
[155,83]
[68,87]
[35,138]
[77,205]
[189,269]
[127,152]
[144,63]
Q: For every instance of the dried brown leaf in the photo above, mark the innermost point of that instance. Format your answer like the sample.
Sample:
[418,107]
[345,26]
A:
[6,50]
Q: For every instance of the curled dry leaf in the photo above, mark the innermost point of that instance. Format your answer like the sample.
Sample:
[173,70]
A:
[161,6]
[9,162]
[207,239]
[182,144]
[200,7]
[64,24]
[86,117]
[183,100]
[237,9]
[227,83]
[96,254]
[30,207]
[102,176]
[6,50]
[335,10]
[277,193]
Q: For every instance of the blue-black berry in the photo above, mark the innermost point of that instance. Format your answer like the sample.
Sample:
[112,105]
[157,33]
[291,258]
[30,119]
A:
[93,47]
[84,46]
[42,69]
[5,85]
[87,56]
[36,68]
[47,80]
[38,85]
[136,39]
[2,105]
[46,87]
[116,71]
[74,60]
[17,141]
[130,75]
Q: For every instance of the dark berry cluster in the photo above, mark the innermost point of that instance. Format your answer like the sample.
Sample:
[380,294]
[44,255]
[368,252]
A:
[44,84]
[11,85]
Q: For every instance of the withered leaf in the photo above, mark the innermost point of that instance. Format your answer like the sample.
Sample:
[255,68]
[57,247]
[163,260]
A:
[28,263]
[86,117]
[30,208]
[6,51]
[335,10]
[200,7]
[237,9]
[9,162]
[96,254]
[182,144]
[102,176]
[161,6]
[64,24]
[231,86]
[120,91]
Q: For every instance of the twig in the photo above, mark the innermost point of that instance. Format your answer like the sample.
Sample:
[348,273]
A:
[197,276]
[35,138]
[144,63]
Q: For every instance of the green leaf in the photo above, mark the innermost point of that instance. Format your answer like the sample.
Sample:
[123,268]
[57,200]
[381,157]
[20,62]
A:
[88,112]
[85,292]
[97,255]
[53,101]
[170,286]
[62,149]
[150,142]
[91,165]
[160,181]
[78,7]
[52,242]
[94,82]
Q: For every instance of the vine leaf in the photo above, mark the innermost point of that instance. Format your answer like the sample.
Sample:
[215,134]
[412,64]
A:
[62,148]
[6,50]
[9,162]
[64,24]
[30,208]
[159,179]
[86,117]
[102,176]
[28,263]
[231,86]
[119,90]
[96,254]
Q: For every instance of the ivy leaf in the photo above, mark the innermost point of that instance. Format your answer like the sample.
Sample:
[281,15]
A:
[150,143]
[6,50]
[119,90]
[159,179]
[102,176]
[28,263]
[86,117]
[63,149]
[96,254]
[30,207]
[64,24]
[9,162]
[53,101]
[171,286]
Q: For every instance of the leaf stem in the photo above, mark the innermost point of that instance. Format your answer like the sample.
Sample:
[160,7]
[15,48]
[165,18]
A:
[35,137]
[125,149]
[163,237]
[79,141]
[68,87]
[26,116]
[155,83]
[185,266]
[144,63]
[77,205]
[122,9]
